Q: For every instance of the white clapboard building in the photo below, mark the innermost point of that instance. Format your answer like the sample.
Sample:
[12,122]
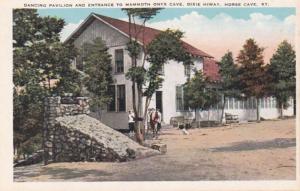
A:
[170,98]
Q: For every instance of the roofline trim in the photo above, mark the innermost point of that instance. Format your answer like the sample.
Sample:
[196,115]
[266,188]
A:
[108,24]
[95,16]
[77,29]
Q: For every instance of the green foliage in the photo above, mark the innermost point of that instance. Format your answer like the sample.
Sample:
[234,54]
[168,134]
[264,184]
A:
[142,13]
[98,72]
[228,71]
[252,73]
[32,145]
[166,46]
[198,93]
[29,28]
[136,74]
[39,58]
[283,73]
[134,48]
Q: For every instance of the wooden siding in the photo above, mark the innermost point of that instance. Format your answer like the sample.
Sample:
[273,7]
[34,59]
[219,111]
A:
[111,36]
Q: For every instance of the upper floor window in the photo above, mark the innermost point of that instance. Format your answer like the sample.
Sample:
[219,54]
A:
[119,61]
[187,70]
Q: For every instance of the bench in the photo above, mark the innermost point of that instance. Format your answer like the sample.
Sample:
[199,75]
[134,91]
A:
[231,118]
[181,121]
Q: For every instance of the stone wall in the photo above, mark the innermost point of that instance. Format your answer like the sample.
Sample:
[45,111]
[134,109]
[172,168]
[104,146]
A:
[57,107]
[70,135]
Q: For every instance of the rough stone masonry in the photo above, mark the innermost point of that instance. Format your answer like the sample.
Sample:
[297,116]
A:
[71,135]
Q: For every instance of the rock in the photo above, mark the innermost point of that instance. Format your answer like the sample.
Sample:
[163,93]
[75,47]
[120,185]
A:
[33,159]
[48,144]
[96,141]
[162,148]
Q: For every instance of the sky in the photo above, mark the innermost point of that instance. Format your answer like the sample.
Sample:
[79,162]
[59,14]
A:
[213,30]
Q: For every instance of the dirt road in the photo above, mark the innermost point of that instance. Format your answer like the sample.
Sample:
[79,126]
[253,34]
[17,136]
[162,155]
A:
[257,151]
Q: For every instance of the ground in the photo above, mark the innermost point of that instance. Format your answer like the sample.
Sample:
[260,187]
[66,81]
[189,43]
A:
[252,151]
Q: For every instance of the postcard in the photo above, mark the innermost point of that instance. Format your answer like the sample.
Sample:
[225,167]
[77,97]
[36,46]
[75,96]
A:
[139,95]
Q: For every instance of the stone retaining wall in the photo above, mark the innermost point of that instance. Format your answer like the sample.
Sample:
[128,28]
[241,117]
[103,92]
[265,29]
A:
[57,107]
[70,135]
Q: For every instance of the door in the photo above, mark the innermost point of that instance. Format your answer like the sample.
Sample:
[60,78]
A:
[159,105]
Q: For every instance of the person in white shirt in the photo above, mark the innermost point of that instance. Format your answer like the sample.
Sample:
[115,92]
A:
[131,117]
[158,120]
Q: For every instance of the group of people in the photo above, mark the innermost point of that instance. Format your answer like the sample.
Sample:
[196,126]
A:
[153,121]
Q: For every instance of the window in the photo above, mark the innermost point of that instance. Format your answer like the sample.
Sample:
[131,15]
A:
[246,103]
[220,104]
[241,105]
[226,103]
[272,102]
[179,98]
[275,102]
[236,103]
[181,102]
[230,103]
[261,102]
[187,70]
[254,103]
[266,103]
[112,105]
[118,102]
[251,103]
[119,61]
[121,105]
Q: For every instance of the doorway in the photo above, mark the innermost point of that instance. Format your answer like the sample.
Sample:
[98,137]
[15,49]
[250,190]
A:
[158,98]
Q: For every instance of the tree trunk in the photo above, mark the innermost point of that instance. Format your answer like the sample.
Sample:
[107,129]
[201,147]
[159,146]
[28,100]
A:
[223,108]
[294,106]
[140,112]
[147,102]
[281,110]
[208,115]
[137,131]
[257,110]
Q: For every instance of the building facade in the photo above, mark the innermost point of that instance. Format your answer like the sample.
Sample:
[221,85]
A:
[170,97]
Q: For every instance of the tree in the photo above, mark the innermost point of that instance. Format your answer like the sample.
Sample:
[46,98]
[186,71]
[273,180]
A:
[41,65]
[166,46]
[145,80]
[97,69]
[136,73]
[228,84]
[199,93]
[252,74]
[283,75]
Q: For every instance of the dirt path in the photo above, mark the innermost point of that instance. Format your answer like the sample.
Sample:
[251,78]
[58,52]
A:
[257,151]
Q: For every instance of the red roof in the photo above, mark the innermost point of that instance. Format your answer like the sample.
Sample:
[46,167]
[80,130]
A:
[210,66]
[150,34]
[211,69]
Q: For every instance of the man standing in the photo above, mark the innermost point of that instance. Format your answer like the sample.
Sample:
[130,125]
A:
[158,114]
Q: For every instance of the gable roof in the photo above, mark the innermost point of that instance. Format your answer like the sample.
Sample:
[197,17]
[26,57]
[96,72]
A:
[123,27]
[210,66]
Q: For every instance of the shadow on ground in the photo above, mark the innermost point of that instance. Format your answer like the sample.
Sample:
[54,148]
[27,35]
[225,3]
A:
[256,145]
[61,173]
